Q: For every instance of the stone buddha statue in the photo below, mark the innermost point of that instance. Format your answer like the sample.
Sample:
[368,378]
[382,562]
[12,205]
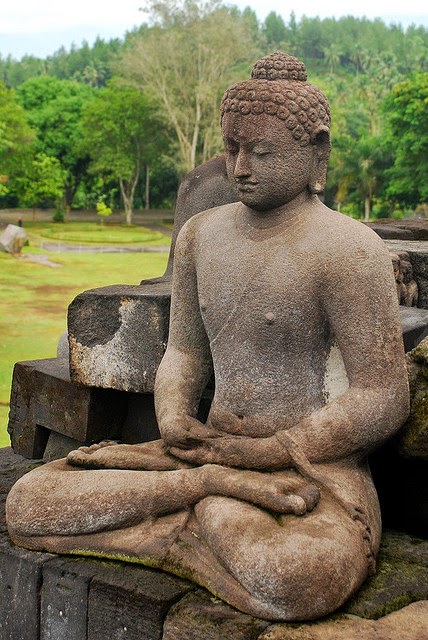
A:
[269,504]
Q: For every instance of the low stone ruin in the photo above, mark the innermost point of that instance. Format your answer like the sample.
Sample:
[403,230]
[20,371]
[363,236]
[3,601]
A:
[13,239]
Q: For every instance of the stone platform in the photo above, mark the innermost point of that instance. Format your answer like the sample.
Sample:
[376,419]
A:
[49,597]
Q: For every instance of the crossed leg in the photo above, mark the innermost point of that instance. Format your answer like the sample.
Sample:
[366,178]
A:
[291,567]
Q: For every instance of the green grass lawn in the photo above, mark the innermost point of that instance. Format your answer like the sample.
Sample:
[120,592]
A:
[34,301]
[96,233]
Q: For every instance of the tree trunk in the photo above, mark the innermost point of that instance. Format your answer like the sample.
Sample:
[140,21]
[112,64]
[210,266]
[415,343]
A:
[127,190]
[147,199]
[127,202]
[195,137]
[367,208]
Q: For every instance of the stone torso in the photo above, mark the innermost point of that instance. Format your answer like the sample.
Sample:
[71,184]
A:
[261,299]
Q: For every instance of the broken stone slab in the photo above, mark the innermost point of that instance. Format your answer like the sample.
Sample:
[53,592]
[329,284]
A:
[13,239]
[200,616]
[410,623]
[118,335]
[43,399]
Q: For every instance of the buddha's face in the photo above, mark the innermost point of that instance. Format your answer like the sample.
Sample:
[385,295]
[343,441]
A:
[268,167]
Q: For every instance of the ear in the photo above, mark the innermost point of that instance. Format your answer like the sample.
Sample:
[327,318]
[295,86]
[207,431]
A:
[321,153]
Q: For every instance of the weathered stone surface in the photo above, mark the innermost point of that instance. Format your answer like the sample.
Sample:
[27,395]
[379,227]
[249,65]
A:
[401,578]
[409,623]
[413,437]
[199,616]
[414,324]
[418,255]
[400,229]
[132,603]
[64,600]
[44,399]
[59,446]
[13,239]
[63,350]
[20,582]
[118,336]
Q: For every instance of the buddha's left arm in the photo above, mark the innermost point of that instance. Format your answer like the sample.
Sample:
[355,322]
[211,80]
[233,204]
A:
[360,301]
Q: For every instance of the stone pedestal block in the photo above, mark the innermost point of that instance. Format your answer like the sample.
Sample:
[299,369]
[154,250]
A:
[43,400]
[118,336]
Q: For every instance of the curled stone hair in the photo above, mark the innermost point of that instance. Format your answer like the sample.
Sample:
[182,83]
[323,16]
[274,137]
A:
[278,87]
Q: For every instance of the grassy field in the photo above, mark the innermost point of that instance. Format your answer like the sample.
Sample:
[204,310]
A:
[34,300]
[88,233]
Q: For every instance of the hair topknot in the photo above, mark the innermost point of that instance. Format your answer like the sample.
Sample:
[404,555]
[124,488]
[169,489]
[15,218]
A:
[279,66]
[279,88]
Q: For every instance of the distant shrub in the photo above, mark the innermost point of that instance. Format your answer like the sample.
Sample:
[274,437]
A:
[58,216]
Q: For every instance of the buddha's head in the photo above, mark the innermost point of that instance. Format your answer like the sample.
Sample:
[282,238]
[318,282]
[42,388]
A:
[276,129]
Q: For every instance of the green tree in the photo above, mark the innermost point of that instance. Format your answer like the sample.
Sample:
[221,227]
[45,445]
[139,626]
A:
[120,134]
[274,30]
[43,183]
[103,211]
[407,136]
[54,108]
[16,137]
[184,62]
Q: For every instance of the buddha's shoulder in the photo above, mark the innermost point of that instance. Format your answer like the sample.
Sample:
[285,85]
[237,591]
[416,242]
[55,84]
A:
[211,221]
[334,230]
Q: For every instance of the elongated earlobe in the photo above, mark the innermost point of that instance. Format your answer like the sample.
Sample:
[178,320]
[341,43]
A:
[320,161]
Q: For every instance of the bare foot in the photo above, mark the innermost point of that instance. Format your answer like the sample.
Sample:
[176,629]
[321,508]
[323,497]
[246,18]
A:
[148,456]
[269,491]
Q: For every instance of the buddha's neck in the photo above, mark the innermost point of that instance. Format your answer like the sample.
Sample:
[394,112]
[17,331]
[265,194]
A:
[281,215]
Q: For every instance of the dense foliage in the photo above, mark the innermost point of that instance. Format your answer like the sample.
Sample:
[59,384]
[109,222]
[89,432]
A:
[120,122]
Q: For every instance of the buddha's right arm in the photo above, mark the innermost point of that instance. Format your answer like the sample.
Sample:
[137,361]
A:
[186,366]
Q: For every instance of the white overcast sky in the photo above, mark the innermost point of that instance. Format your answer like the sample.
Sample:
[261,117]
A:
[40,27]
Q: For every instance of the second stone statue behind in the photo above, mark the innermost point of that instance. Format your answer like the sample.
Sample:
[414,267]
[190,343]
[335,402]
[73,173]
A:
[269,504]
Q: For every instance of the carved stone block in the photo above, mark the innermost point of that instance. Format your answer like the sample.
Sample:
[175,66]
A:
[414,323]
[132,603]
[118,336]
[43,399]
[20,581]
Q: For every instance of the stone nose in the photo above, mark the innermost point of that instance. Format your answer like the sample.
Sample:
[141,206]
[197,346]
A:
[243,165]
